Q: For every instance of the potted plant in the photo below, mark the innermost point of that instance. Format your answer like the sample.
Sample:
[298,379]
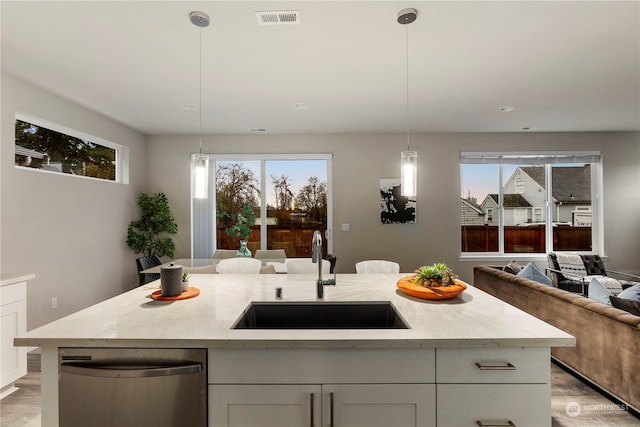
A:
[436,281]
[242,228]
[185,282]
[146,235]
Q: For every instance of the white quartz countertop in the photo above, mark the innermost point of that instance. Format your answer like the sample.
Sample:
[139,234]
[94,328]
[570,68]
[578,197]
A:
[10,279]
[133,319]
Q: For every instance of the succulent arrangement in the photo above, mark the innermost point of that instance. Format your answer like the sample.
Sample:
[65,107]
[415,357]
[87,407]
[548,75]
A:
[185,277]
[438,274]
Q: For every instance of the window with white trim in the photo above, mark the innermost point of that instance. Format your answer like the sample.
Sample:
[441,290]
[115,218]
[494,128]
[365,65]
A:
[543,202]
[288,194]
[46,146]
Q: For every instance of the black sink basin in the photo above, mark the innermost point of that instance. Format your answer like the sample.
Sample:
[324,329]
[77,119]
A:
[320,315]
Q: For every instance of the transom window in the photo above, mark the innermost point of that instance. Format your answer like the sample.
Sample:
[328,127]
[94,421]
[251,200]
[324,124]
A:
[533,202]
[46,146]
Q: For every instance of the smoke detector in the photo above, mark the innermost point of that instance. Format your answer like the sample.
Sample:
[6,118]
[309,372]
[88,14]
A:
[278,17]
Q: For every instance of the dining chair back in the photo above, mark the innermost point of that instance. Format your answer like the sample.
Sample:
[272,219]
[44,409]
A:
[239,265]
[376,266]
[270,255]
[305,266]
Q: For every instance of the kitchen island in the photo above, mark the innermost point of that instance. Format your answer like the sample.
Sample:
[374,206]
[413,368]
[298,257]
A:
[470,358]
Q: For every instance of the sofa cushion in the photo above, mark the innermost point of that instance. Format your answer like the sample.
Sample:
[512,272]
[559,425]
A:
[513,267]
[598,292]
[532,272]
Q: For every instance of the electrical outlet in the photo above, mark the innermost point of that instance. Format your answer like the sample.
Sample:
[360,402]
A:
[54,303]
[346,227]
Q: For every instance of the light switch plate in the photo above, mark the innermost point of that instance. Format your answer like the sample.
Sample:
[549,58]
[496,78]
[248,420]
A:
[346,227]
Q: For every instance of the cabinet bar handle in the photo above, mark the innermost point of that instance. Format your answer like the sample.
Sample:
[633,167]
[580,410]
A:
[311,399]
[509,424]
[507,367]
[331,410]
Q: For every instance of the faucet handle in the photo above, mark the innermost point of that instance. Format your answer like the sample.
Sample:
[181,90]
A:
[332,263]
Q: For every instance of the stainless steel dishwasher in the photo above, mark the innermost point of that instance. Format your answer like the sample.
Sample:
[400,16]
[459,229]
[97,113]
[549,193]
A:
[122,387]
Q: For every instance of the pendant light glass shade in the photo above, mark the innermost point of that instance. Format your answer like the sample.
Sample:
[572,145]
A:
[200,176]
[408,173]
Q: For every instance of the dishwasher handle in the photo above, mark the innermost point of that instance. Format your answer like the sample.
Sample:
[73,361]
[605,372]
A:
[132,370]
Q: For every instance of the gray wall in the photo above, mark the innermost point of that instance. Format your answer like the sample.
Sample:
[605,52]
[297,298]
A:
[69,231]
[359,161]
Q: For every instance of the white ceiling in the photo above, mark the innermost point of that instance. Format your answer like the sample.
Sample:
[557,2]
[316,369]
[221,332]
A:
[564,65]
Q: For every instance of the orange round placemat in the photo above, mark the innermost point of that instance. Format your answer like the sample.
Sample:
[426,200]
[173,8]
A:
[190,293]
[407,286]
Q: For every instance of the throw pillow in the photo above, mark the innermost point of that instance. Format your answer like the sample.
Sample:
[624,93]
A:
[598,292]
[631,293]
[629,305]
[513,267]
[614,286]
[628,300]
[532,272]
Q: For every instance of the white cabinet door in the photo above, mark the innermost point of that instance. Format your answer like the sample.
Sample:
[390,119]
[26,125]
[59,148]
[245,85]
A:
[13,321]
[264,405]
[379,405]
[524,405]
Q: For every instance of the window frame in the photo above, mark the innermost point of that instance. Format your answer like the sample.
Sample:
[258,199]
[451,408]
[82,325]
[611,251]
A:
[209,204]
[121,151]
[594,158]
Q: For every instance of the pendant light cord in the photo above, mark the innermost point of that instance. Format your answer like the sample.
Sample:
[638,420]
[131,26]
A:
[407,83]
[200,92]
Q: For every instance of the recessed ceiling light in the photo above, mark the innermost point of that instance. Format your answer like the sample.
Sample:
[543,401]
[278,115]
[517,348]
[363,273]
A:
[188,107]
[300,106]
[506,108]
[257,130]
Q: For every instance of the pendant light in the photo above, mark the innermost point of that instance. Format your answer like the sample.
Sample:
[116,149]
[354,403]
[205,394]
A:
[200,162]
[408,159]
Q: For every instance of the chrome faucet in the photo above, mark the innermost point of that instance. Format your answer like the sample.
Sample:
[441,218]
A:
[316,257]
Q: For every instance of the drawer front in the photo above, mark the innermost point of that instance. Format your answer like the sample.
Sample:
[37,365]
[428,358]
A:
[524,405]
[493,365]
[307,366]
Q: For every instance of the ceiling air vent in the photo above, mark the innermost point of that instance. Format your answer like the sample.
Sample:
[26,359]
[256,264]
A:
[278,17]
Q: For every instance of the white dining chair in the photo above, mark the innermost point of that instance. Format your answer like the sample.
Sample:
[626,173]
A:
[239,265]
[377,266]
[305,266]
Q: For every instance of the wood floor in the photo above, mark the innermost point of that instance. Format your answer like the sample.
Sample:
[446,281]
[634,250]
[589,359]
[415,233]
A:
[573,403]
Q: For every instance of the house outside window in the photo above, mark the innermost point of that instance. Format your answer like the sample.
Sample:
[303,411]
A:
[45,146]
[554,211]
[289,196]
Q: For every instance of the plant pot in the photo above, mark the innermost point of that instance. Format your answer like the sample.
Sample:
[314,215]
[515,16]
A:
[407,286]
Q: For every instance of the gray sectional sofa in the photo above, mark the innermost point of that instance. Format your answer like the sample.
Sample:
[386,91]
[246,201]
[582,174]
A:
[607,350]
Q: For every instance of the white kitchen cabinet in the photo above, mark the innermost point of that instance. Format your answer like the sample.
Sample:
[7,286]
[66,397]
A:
[378,405]
[493,386]
[524,405]
[13,322]
[360,405]
[264,405]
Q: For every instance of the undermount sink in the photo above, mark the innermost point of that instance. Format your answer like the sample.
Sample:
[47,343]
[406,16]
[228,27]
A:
[320,315]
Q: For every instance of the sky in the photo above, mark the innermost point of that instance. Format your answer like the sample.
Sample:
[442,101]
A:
[298,172]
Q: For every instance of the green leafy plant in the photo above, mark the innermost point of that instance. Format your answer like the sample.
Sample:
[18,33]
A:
[438,274]
[145,234]
[243,222]
[185,277]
